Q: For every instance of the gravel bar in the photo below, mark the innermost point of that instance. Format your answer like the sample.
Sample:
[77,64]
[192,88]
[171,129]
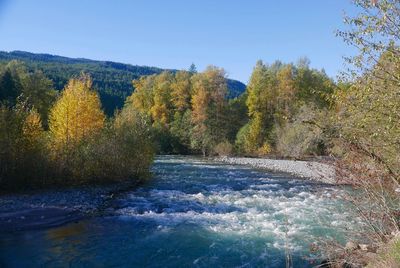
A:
[305,169]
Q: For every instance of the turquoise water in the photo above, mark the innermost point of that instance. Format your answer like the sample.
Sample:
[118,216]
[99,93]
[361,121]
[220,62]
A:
[193,213]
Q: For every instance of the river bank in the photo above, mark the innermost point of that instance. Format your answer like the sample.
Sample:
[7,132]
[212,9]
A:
[313,170]
[55,207]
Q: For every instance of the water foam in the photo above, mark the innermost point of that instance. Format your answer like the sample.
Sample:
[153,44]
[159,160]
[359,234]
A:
[279,209]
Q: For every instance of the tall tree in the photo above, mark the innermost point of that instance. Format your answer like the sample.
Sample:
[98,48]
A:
[208,104]
[38,92]
[142,98]
[261,102]
[161,111]
[10,87]
[77,114]
[181,91]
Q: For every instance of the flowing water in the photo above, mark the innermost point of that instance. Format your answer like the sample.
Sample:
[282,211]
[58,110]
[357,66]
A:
[193,213]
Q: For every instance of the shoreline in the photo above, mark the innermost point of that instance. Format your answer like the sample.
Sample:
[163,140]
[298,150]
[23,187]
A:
[312,170]
[55,207]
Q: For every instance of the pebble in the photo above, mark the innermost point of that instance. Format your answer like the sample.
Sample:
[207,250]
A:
[304,169]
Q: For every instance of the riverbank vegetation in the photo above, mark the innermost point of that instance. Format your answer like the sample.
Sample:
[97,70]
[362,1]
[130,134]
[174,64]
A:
[192,114]
[367,126]
[50,139]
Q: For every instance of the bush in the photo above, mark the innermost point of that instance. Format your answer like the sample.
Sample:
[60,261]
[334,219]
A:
[242,144]
[223,149]
[22,147]
[264,150]
[302,136]
[122,151]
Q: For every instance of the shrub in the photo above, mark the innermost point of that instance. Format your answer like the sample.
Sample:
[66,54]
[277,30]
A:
[301,137]
[242,144]
[22,147]
[264,150]
[224,148]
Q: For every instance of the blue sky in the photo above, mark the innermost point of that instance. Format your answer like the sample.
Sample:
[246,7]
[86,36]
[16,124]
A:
[232,34]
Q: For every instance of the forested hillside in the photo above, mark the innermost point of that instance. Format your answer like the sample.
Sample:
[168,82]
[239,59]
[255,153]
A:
[112,80]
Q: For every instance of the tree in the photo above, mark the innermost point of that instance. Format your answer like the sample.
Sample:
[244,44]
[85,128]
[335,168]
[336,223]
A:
[22,147]
[208,106]
[192,68]
[261,102]
[369,109]
[181,91]
[200,100]
[39,93]
[373,31]
[161,111]
[367,119]
[134,142]
[77,113]
[286,92]
[142,98]
[10,88]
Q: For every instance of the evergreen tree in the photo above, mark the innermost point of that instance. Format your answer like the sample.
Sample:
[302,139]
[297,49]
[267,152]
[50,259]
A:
[192,69]
[39,93]
[10,88]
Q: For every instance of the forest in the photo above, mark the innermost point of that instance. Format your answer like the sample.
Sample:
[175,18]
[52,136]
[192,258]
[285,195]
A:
[181,112]
[190,112]
[112,80]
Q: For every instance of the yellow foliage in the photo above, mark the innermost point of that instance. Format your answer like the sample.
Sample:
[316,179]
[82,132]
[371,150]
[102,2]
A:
[77,114]
[32,128]
[256,133]
[181,91]
[200,101]
[265,149]
[142,98]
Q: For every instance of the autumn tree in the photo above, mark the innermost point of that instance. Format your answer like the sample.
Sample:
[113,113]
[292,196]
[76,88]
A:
[76,115]
[181,91]
[261,101]
[161,111]
[208,104]
[142,96]
[286,91]
[275,95]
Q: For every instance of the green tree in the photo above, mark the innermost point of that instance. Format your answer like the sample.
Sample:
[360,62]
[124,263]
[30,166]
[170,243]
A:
[39,93]
[22,147]
[261,101]
[10,87]
[367,119]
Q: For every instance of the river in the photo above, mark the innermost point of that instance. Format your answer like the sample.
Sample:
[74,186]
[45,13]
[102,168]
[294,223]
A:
[194,213]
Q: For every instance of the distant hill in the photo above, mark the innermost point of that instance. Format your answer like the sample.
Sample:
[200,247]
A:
[113,80]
